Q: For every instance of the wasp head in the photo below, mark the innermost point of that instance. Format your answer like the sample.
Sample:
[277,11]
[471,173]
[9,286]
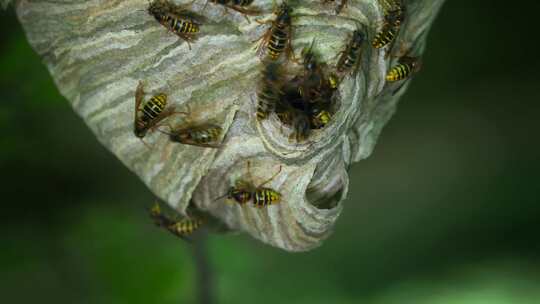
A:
[358,37]
[241,196]
[157,8]
[284,14]
[140,129]
[395,17]
[180,136]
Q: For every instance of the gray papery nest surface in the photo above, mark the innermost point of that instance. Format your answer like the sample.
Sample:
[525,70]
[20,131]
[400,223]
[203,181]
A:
[97,52]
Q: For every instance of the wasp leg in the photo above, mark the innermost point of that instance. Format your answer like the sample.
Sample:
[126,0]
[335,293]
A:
[271,178]
[215,146]
[249,171]
[139,95]
[400,86]
[263,22]
[245,12]
[262,45]
[187,38]
[146,145]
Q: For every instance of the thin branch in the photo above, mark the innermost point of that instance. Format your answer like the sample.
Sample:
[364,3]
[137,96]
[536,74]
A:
[204,280]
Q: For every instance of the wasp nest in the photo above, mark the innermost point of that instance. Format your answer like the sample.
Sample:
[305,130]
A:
[99,51]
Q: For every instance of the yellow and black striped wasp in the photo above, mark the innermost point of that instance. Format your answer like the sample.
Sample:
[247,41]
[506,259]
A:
[350,58]
[181,228]
[241,6]
[176,19]
[148,114]
[312,82]
[270,89]
[406,67]
[277,38]
[244,191]
[203,135]
[393,18]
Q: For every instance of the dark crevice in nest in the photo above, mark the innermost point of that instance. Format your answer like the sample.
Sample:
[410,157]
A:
[321,199]
[304,99]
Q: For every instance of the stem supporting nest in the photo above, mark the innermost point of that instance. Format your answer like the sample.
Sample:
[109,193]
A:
[204,274]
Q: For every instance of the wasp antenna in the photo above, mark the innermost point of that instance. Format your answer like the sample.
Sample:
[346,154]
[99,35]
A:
[220,197]
[179,113]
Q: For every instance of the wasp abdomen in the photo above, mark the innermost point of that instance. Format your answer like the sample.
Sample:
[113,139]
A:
[384,37]
[266,196]
[399,72]
[154,107]
[148,113]
[181,26]
[268,98]
[352,53]
[206,135]
[180,228]
[269,92]
[278,41]
[185,227]
[349,60]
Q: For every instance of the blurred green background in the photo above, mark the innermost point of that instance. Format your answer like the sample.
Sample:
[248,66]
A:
[446,210]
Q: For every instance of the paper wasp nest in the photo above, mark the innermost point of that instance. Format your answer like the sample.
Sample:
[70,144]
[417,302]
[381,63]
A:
[98,50]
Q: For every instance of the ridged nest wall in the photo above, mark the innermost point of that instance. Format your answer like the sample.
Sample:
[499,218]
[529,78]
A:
[97,51]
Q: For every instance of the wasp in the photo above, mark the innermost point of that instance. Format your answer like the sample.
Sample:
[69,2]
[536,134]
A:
[393,19]
[202,135]
[181,228]
[244,192]
[314,86]
[277,38]
[148,114]
[350,57]
[240,6]
[269,92]
[176,19]
[311,84]
[406,67]
[320,117]
[205,134]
